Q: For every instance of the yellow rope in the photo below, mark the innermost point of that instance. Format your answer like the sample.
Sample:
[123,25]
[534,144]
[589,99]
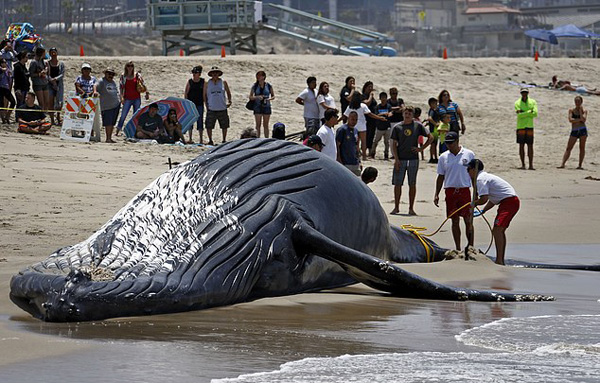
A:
[409,227]
[491,232]
[417,231]
[33,110]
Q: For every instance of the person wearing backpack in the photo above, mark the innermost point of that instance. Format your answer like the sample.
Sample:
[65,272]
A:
[262,94]
[131,87]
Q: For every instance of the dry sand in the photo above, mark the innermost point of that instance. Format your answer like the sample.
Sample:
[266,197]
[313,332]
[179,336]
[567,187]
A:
[55,193]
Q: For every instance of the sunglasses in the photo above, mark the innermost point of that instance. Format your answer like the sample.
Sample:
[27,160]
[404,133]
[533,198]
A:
[129,66]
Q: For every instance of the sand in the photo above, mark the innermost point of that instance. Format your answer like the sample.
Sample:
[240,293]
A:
[54,193]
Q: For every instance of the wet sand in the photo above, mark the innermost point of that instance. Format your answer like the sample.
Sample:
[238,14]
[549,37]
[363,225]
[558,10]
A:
[55,193]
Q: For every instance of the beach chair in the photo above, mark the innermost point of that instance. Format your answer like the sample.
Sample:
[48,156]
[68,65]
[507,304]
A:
[81,117]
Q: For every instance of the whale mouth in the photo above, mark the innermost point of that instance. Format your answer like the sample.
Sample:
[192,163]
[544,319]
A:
[47,296]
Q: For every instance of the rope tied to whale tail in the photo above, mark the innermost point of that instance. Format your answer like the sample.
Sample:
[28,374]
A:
[418,232]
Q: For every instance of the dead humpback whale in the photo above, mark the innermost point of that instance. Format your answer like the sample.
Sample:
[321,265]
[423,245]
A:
[249,219]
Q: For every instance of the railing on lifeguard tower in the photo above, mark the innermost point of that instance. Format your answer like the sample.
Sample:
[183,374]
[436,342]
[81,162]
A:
[186,15]
[339,38]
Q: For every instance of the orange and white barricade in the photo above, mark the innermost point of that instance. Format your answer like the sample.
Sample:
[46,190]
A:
[81,116]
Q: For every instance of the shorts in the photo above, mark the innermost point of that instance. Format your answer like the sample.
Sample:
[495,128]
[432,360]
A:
[312,125]
[24,127]
[200,121]
[52,90]
[525,136]
[109,117]
[455,198]
[406,166]
[260,108]
[579,132]
[212,116]
[507,209]
[40,88]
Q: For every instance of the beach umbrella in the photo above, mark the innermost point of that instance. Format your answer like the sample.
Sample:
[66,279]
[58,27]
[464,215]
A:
[187,114]
[542,35]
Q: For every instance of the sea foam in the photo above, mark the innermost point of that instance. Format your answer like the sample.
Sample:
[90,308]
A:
[528,350]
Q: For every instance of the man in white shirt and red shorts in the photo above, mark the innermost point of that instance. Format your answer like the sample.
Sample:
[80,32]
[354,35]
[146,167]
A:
[493,190]
[453,176]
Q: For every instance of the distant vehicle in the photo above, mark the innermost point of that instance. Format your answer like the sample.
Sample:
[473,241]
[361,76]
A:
[384,51]
[23,36]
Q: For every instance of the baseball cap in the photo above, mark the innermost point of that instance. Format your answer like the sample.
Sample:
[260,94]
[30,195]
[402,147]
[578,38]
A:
[314,140]
[524,90]
[451,137]
[86,65]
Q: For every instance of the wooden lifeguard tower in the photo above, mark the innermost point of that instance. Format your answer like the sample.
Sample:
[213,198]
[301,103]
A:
[235,24]
[229,23]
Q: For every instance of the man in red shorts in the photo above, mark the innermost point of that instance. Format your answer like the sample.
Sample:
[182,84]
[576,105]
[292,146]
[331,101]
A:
[493,190]
[453,176]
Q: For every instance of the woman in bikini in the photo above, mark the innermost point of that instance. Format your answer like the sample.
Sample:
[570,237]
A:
[577,118]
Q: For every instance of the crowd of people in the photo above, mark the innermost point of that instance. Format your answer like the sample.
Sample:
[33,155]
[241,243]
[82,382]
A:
[367,117]
[365,122]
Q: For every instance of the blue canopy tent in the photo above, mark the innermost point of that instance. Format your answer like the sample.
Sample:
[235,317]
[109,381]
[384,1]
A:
[564,31]
[542,35]
[572,31]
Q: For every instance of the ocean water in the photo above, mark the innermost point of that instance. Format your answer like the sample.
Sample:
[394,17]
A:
[551,348]
[347,338]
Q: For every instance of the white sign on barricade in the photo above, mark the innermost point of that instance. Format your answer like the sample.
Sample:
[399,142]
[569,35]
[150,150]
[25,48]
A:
[81,116]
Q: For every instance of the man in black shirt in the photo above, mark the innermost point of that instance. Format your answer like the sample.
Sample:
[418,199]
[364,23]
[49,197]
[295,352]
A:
[396,105]
[21,74]
[150,124]
[383,127]
[30,117]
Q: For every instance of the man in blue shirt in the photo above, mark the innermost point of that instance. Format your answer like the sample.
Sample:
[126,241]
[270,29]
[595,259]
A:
[346,139]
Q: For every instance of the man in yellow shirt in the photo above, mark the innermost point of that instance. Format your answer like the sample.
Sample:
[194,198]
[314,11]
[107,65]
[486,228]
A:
[526,109]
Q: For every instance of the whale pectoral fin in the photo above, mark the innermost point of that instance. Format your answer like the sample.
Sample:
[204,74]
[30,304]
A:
[386,276]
